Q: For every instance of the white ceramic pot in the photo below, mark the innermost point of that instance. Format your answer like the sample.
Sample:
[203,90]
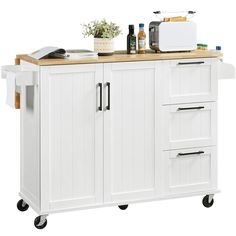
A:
[104,46]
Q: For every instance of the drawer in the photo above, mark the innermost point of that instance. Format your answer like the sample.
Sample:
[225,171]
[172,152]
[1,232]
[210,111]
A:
[184,81]
[189,125]
[190,170]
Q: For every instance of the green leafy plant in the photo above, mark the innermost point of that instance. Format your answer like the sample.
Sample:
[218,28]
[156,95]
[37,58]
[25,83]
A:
[101,29]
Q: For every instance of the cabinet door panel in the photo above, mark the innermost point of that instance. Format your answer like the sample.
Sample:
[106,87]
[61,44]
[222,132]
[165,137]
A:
[129,132]
[73,154]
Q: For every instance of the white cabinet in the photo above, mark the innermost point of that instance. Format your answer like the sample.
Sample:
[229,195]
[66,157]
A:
[117,133]
[129,132]
[192,80]
[71,136]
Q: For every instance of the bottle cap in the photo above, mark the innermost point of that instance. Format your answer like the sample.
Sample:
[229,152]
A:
[141,25]
[131,27]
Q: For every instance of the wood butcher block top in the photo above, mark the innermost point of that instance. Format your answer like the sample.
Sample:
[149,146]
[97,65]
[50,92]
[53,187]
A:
[123,57]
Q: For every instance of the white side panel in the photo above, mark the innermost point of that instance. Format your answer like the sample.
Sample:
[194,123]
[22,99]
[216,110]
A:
[129,132]
[189,125]
[185,81]
[72,137]
[29,141]
[189,173]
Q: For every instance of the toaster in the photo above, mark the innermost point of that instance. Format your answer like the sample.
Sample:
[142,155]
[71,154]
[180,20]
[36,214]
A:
[172,36]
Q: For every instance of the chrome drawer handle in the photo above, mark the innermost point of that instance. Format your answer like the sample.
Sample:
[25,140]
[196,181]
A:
[191,63]
[190,108]
[190,153]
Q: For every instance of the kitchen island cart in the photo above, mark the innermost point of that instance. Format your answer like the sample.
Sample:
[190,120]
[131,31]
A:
[116,130]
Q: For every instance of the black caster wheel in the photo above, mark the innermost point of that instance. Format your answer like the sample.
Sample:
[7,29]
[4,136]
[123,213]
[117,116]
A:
[22,205]
[38,224]
[206,203]
[123,207]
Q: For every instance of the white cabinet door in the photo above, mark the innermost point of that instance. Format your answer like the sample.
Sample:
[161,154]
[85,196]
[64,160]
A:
[189,125]
[129,131]
[71,136]
[189,170]
[185,81]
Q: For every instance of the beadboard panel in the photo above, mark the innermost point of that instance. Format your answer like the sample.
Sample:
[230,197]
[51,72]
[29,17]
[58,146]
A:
[129,132]
[190,172]
[189,125]
[187,81]
[75,137]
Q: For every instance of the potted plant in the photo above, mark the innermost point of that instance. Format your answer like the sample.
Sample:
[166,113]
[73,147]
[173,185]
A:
[103,32]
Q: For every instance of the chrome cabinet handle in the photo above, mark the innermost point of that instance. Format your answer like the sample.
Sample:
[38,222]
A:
[190,108]
[100,105]
[190,153]
[191,63]
[108,84]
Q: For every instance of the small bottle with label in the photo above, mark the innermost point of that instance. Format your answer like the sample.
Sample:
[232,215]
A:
[141,39]
[131,41]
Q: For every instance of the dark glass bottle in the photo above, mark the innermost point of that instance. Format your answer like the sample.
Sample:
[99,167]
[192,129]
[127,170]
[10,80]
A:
[131,41]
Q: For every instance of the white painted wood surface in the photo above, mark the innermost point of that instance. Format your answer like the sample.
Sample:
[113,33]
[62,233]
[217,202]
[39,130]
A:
[80,157]
[71,136]
[129,132]
[225,70]
[186,83]
[18,76]
[184,174]
[29,140]
[189,128]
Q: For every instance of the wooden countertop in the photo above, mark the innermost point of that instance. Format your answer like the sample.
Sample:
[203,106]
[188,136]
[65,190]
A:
[121,56]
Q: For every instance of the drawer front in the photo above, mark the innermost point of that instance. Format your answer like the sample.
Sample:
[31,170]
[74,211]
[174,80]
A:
[189,125]
[186,81]
[189,170]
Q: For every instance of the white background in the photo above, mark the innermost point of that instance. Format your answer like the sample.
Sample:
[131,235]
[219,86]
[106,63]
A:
[27,25]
